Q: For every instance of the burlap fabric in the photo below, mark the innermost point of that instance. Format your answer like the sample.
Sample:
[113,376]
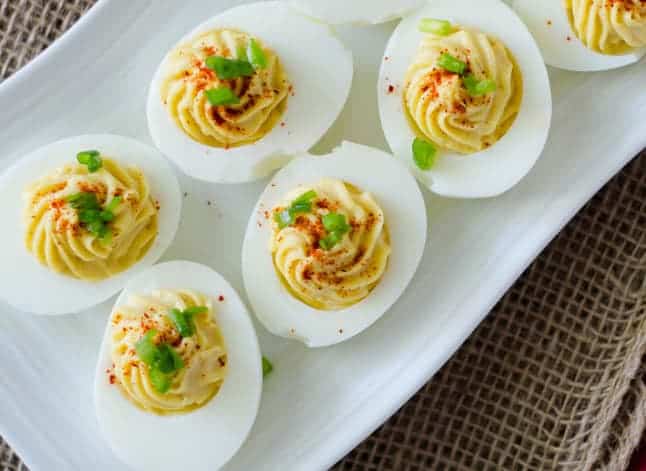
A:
[554,378]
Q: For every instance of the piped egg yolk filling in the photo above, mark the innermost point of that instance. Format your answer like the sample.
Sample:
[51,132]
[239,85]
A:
[90,224]
[330,244]
[440,97]
[168,353]
[608,26]
[224,88]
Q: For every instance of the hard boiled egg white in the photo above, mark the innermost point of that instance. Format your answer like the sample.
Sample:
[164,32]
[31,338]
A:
[356,11]
[206,438]
[498,168]
[33,288]
[397,193]
[318,66]
[548,22]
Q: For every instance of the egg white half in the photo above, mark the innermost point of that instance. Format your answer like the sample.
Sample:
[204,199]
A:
[548,22]
[206,438]
[500,167]
[356,11]
[396,192]
[31,287]
[318,66]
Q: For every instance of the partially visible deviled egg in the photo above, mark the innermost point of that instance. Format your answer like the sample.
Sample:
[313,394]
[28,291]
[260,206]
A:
[246,88]
[587,35]
[82,215]
[356,11]
[464,97]
[179,377]
[332,244]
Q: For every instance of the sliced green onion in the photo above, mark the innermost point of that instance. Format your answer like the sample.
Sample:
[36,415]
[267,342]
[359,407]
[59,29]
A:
[221,96]
[146,349]
[160,381]
[194,310]
[305,197]
[89,215]
[241,53]
[334,222]
[330,240]
[182,322]
[168,360]
[98,228]
[84,200]
[267,367]
[477,87]
[436,27]
[91,159]
[256,55]
[424,154]
[227,69]
[107,237]
[116,201]
[284,218]
[451,63]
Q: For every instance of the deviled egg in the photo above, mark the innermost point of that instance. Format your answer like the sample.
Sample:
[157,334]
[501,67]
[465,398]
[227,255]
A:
[84,214]
[330,246]
[356,11]
[464,97]
[179,377]
[587,35]
[244,89]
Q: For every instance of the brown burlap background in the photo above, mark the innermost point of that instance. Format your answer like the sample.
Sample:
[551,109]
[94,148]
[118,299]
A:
[554,378]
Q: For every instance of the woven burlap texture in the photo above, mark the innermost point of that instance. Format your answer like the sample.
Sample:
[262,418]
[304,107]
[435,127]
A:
[554,378]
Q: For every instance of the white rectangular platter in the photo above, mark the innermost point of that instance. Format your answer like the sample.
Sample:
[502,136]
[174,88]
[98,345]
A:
[317,404]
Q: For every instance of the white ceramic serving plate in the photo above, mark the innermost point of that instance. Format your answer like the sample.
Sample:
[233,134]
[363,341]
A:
[317,404]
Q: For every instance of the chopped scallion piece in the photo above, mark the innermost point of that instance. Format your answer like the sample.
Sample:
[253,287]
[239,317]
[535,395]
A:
[227,69]
[437,27]
[168,360]
[84,200]
[241,53]
[146,348]
[284,218]
[160,381]
[182,322]
[451,63]
[267,367]
[221,96]
[423,154]
[305,197]
[256,55]
[334,222]
[194,310]
[91,159]
[477,87]
[114,203]
[330,240]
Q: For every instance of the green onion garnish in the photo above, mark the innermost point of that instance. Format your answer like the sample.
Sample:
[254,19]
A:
[92,216]
[227,69]
[256,55]
[267,367]
[241,53]
[183,320]
[301,205]
[334,222]
[329,240]
[146,348]
[477,87]
[452,64]
[160,381]
[91,159]
[162,360]
[337,227]
[221,96]
[436,27]
[423,153]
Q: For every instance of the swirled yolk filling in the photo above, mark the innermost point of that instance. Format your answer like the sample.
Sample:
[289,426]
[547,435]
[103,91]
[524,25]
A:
[90,220]
[224,88]
[463,90]
[168,353]
[330,244]
[608,26]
